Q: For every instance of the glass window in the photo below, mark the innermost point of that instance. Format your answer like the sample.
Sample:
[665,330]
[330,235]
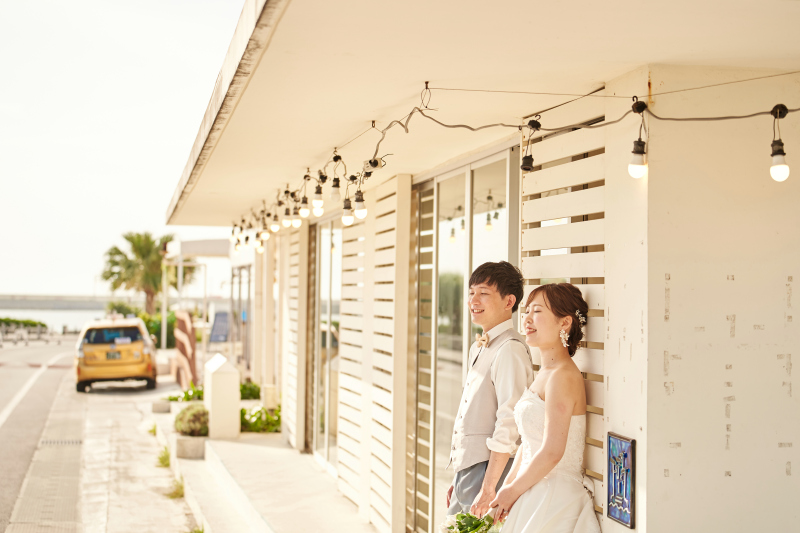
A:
[109,335]
[450,347]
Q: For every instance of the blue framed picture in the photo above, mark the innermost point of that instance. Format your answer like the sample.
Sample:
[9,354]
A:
[621,479]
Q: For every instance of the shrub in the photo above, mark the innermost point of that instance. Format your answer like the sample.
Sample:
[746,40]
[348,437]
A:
[193,393]
[192,421]
[250,391]
[153,323]
[260,420]
[163,458]
[177,489]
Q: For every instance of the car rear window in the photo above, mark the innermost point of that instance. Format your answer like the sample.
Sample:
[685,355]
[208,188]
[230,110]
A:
[115,335]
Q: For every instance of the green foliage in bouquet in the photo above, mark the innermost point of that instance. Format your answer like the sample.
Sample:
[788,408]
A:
[469,523]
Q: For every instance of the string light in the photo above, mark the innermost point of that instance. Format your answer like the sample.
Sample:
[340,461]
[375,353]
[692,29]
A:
[347,213]
[233,238]
[317,200]
[304,210]
[287,218]
[489,222]
[275,226]
[637,168]
[361,207]
[452,234]
[463,226]
[296,220]
[260,246]
[779,169]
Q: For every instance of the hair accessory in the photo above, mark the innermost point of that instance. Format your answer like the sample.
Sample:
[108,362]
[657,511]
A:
[581,318]
[564,337]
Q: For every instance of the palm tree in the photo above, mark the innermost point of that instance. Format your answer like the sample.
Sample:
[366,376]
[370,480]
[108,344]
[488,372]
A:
[140,271]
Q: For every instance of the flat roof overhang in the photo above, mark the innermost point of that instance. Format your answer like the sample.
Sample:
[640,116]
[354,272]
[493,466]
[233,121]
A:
[302,77]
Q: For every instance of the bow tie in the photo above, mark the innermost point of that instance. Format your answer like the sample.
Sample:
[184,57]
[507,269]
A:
[482,340]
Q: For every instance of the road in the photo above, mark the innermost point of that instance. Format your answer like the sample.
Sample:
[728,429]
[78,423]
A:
[79,462]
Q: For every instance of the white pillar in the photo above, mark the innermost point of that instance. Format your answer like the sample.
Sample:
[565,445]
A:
[222,398]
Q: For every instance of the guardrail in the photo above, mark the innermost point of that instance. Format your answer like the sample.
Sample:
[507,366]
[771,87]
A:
[16,334]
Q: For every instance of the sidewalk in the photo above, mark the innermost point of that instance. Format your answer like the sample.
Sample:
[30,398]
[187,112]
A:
[259,484]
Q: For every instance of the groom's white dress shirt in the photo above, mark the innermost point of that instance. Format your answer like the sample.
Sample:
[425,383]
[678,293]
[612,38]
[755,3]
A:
[498,375]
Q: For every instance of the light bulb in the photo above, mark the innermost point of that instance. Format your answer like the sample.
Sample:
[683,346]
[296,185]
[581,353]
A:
[317,200]
[638,166]
[275,226]
[286,222]
[463,226]
[304,210]
[779,169]
[260,248]
[318,211]
[264,236]
[247,241]
[488,222]
[237,247]
[335,196]
[297,222]
[361,207]
[347,213]
[233,238]
[452,234]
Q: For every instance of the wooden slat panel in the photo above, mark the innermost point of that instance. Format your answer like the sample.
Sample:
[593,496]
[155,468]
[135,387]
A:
[595,295]
[587,233]
[589,360]
[383,325]
[385,205]
[594,393]
[294,248]
[350,352]
[381,470]
[350,461]
[568,144]
[348,398]
[382,416]
[352,278]
[567,175]
[594,458]
[595,329]
[382,489]
[382,379]
[294,271]
[346,427]
[386,188]
[385,240]
[353,262]
[351,292]
[352,478]
[584,202]
[382,397]
[384,291]
[380,433]
[349,492]
[351,337]
[353,248]
[354,232]
[382,342]
[383,274]
[594,427]
[599,494]
[351,322]
[385,257]
[588,265]
[351,308]
[385,309]
[377,520]
[381,452]
[386,223]
[351,414]
[351,383]
[382,361]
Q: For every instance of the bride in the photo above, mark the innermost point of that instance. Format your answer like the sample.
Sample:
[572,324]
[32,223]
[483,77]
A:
[546,490]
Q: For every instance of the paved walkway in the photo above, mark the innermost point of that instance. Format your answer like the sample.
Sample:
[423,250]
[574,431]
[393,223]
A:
[94,469]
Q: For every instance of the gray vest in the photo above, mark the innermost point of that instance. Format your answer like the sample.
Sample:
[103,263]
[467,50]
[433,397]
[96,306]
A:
[477,410]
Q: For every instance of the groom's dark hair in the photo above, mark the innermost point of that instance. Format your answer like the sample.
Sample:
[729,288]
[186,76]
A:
[503,275]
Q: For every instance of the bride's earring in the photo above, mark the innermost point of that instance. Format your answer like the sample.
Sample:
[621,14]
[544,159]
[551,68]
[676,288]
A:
[564,336]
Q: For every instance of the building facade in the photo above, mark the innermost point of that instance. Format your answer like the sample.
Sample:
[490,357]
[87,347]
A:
[689,272]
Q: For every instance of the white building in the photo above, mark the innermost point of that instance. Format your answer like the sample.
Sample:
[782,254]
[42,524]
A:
[689,271]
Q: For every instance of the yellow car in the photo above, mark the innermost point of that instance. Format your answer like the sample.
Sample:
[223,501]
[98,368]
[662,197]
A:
[115,349]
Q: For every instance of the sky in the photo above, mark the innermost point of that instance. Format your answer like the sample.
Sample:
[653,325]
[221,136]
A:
[100,103]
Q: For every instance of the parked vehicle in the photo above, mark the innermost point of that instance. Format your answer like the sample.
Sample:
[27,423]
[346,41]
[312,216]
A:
[115,349]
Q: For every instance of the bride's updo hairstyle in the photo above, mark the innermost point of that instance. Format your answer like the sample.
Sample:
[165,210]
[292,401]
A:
[564,299]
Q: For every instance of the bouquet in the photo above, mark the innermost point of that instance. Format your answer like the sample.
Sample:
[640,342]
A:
[469,523]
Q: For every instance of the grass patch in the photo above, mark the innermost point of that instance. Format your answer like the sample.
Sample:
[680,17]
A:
[198,530]
[152,430]
[177,489]
[163,458]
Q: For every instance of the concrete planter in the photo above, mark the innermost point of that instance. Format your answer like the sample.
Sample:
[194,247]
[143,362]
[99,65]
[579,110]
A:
[189,447]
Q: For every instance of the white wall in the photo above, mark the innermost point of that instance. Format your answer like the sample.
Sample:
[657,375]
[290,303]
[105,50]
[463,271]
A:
[723,254]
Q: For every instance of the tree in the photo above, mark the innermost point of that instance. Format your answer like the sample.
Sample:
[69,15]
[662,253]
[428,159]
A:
[141,270]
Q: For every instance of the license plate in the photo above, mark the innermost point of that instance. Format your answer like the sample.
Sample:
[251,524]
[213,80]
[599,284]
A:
[113,355]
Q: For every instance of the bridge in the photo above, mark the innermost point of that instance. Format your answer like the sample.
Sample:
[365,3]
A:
[88,303]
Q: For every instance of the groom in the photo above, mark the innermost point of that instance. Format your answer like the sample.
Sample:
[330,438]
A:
[485,435]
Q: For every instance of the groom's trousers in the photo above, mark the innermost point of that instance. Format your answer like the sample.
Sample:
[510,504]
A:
[467,485]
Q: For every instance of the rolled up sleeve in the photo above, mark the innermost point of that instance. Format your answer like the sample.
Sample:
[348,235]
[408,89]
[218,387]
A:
[511,374]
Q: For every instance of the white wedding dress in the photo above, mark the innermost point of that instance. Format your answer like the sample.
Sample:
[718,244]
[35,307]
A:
[562,501]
